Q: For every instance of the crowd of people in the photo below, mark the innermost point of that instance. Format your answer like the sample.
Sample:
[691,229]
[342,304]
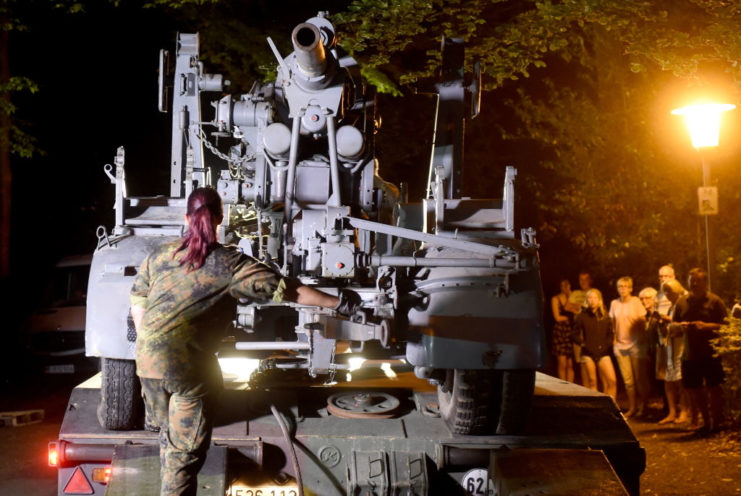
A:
[660,335]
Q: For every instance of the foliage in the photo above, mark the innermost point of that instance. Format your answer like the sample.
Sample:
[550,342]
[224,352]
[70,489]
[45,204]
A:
[511,38]
[12,14]
[728,347]
[20,143]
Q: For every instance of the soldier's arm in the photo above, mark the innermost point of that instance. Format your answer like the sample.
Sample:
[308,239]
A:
[306,295]
[137,314]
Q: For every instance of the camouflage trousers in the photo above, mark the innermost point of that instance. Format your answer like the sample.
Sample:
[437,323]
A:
[184,414]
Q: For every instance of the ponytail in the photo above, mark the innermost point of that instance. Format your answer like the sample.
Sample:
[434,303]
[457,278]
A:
[204,213]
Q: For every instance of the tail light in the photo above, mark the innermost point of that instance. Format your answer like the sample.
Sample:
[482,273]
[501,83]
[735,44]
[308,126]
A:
[102,475]
[53,454]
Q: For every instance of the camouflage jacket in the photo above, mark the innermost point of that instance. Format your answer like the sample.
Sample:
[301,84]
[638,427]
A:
[187,313]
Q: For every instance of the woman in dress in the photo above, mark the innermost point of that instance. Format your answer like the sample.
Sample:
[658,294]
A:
[562,345]
[671,337]
[593,332]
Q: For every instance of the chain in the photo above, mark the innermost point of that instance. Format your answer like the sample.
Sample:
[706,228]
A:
[234,165]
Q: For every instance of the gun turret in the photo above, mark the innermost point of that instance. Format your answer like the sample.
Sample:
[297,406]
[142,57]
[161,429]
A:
[311,58]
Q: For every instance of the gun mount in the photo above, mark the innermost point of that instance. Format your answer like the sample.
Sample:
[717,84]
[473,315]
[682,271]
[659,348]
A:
[445,283]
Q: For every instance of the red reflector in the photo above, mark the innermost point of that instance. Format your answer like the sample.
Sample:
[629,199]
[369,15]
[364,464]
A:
[78,484]
[53,455]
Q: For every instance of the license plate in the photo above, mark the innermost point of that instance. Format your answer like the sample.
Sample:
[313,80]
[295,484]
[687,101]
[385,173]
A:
[67,368]
[243,490]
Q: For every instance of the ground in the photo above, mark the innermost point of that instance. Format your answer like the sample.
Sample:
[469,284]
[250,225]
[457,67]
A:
[678,462]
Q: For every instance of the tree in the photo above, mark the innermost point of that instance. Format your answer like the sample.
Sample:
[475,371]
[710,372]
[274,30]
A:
[580,86]
[14,140]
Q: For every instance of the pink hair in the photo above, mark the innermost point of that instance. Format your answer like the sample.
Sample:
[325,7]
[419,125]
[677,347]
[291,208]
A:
[204,213]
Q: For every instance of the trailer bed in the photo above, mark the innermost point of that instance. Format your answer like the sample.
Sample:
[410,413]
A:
[413,452]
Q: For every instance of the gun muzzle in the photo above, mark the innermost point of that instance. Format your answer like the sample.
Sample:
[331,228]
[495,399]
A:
[310,56]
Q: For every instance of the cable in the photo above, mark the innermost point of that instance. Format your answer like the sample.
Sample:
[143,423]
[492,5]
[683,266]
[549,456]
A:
[294,459]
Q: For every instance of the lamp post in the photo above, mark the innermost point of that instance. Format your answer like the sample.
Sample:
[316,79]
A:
[703,121]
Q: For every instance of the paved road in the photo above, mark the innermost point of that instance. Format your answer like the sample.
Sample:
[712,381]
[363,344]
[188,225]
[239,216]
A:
[23,464]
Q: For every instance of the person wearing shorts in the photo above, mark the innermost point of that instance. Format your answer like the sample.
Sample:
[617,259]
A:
[593,332]
[701,313]
[631,350]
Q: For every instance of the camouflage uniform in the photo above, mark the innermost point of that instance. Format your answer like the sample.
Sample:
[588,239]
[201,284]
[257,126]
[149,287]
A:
[185,319]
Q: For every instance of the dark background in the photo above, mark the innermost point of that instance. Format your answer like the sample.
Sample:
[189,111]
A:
[97,78]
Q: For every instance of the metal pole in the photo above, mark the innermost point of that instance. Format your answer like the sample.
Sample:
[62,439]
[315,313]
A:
[705,183]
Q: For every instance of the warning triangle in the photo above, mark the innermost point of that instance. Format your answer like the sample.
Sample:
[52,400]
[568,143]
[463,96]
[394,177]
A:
[78,484]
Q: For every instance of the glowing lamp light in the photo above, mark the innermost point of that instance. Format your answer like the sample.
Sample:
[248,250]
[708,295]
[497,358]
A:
[53,455]
[703,121]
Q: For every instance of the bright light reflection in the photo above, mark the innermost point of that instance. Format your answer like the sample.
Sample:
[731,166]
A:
[348,377]
[355,363]
[386,367]
[240,368]
[703,121]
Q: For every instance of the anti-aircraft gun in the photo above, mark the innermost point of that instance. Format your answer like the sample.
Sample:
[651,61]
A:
[446,284]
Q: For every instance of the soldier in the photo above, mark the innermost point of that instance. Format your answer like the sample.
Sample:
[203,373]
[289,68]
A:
[183,296]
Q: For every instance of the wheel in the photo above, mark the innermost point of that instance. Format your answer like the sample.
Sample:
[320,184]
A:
[515,397]
[486,401]
[121,406]
[464,400]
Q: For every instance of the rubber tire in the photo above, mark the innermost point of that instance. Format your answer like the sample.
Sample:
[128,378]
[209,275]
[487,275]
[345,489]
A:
[486,401]
[464,400]
[513,400]
[121,406]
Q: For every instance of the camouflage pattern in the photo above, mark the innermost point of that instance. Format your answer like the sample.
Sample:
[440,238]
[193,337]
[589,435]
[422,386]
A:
[185,416]
[187,313]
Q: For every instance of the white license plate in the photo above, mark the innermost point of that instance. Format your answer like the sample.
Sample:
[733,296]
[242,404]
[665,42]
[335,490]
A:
[242,490]
[67,368]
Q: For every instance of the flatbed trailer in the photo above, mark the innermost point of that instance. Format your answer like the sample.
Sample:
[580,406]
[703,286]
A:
[577,442]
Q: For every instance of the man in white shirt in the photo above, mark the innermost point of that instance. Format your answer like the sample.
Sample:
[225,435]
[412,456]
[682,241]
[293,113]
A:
[629,323]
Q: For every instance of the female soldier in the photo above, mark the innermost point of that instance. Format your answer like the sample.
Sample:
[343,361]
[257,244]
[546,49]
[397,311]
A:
[184,293]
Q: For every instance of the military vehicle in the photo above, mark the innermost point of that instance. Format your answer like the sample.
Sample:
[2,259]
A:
[451,313]
[447,284]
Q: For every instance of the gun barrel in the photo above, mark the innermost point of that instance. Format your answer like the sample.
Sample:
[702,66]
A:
[310,55]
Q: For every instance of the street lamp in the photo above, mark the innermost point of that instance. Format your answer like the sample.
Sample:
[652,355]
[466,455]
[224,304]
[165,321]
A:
[703,121]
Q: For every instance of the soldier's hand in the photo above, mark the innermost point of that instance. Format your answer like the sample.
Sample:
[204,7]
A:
[349,303]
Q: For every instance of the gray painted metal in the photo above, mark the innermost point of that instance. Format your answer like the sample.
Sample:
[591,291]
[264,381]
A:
[295,200]
[432,239]
[415,448]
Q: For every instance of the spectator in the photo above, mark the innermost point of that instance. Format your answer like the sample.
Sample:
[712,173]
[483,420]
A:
[666,273]
[736,310]
[577,299]
[671,336]
[593,332]
[701,313]
[562,345]
[629,321]
[653,323]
